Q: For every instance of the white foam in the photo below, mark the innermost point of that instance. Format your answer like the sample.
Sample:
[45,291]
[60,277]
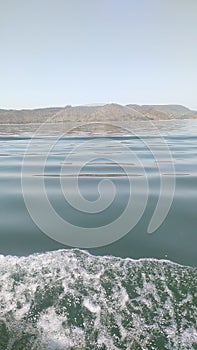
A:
[71,299]
[91,307]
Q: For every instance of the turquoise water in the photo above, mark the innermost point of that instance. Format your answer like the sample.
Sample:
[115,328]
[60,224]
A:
[137,292]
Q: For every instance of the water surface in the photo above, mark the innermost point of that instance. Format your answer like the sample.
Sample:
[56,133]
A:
[139,292]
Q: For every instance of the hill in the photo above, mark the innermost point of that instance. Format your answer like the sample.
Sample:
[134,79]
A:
[165,112]
[101,113]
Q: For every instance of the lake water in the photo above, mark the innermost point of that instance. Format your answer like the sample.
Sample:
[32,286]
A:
[98,237]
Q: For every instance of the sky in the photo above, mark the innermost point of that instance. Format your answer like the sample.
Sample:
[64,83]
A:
[60,52]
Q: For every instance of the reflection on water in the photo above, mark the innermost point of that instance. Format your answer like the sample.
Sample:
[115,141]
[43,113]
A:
[163,127]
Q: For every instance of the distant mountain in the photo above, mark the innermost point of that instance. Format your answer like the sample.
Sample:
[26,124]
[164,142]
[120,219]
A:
[115,112]
[164,112]
[27,115]
[97,113]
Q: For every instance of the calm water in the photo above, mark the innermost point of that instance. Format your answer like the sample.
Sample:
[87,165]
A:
[138,292]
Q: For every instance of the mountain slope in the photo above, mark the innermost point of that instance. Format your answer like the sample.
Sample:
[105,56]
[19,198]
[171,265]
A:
[101,113]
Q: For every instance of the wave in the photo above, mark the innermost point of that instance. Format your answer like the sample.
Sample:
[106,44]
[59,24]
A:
[70,299]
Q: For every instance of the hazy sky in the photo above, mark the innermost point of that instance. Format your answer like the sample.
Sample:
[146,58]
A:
[59,52]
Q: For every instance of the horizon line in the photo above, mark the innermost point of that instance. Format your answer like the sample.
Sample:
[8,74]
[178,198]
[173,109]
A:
[99,104]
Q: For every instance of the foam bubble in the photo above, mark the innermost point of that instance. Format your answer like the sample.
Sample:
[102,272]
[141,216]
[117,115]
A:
[69,299]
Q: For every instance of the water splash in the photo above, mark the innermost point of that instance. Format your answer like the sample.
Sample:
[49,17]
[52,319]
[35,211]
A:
[69,299]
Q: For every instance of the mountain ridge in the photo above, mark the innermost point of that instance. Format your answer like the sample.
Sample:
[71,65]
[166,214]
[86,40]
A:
[97,113]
